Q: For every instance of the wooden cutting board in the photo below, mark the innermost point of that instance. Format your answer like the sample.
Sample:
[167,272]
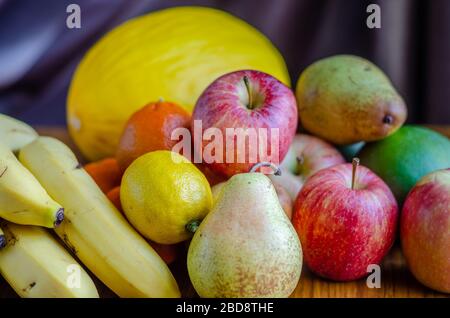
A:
[396,280]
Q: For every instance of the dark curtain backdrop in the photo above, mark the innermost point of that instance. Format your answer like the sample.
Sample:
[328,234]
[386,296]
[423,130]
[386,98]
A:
[38,54]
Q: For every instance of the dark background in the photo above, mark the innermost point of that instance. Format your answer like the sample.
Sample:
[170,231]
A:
[38,53]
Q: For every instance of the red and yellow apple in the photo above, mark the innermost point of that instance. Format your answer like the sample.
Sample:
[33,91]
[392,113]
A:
[425,230]
[346,218]
[307,155]
[238,102]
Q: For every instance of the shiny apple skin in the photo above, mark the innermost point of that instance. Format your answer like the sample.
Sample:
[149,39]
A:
[425,230]
[223,105]
[315,154]
[343,230]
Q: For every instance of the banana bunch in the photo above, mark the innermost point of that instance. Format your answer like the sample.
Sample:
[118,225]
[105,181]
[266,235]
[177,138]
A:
[94,230]
[31,260]
[36,265]
[22,199]
[15,134]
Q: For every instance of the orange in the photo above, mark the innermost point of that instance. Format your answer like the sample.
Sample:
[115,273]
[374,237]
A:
[106,173]
[168,252]
[114,196]
[150,129]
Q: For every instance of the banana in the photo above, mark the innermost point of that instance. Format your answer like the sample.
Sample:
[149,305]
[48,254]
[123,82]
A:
[22,199]
[94,229]
[14,133]
[2,239]
[37,266]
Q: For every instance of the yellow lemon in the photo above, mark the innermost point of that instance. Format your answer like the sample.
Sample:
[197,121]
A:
[164,196]
[172,54]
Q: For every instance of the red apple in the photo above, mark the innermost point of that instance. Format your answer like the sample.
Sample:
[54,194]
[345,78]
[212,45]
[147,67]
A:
[212,177]
[242,100]
[346,219]
[425,230]
[306,156]
[285,200]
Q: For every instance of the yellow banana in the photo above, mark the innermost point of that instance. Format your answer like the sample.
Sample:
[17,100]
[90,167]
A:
[94,229]
[22,199]
[14,133]
[37,266]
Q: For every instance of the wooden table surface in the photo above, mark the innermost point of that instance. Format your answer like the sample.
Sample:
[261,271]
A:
[396,280]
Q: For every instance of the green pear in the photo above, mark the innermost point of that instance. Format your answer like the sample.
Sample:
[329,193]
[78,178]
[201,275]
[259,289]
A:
[246,246]
[346,99]
[283,195]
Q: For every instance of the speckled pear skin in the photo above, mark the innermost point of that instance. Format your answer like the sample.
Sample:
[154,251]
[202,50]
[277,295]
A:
[246,246]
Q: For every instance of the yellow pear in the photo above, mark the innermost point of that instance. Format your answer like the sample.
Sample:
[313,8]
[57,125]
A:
[246,246]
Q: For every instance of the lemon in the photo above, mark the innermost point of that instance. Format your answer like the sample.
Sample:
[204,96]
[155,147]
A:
[163,195]
[172,54]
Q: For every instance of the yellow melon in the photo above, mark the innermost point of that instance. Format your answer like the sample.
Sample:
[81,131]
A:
[172,54]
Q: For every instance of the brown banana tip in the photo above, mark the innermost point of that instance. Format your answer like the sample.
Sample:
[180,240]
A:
[59,217]
[2,241]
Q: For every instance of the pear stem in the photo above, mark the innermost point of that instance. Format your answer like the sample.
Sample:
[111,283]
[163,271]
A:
[250,99]
[192,226]
[275,168]
[355,164]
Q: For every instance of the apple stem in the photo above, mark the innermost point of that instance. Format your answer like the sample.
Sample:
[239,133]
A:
[355,164]
[275,168]
[250,99]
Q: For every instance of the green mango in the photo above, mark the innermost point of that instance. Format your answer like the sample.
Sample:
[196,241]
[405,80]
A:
[406,156]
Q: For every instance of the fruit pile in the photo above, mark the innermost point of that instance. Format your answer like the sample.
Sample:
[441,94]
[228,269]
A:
[234,182]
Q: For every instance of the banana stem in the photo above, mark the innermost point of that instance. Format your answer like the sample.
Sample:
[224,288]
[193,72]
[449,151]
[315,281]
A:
[59,217]
[355,164]
[276,170]
[192,226]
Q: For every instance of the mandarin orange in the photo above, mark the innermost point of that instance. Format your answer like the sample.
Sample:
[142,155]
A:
[150,129]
